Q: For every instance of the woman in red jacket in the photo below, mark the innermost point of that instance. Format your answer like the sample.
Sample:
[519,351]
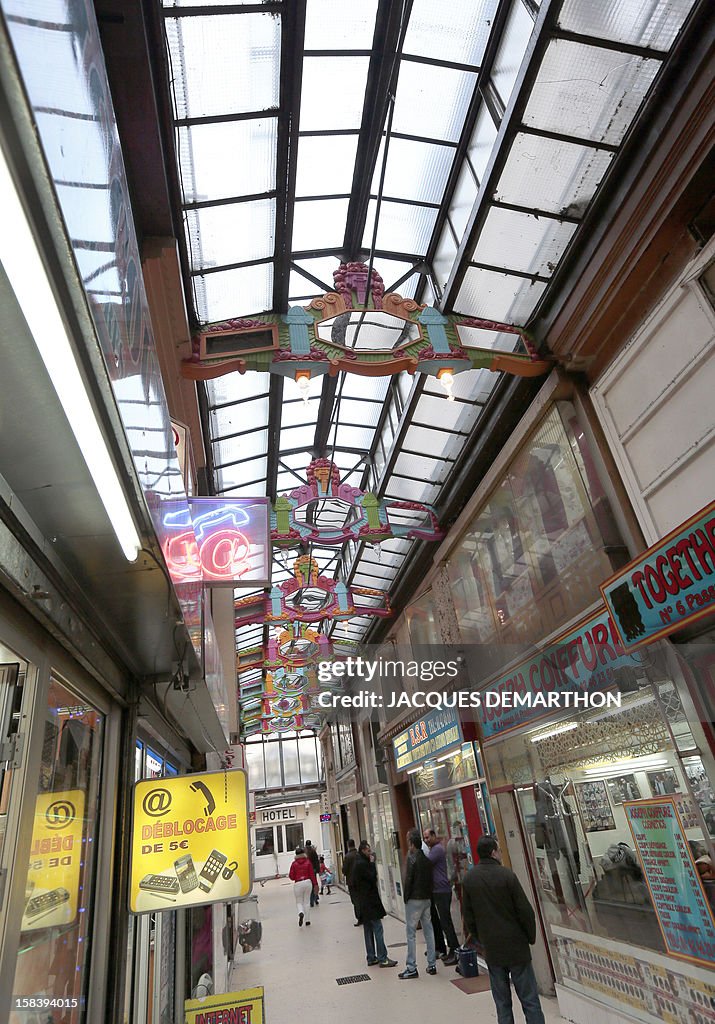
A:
[304,882]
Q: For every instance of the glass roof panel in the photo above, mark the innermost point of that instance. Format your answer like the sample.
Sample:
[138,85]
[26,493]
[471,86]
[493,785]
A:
[415,170]
[242,474]
[403,228]
[642,22]
[322,267]
[432,442]
[340,24]
[470,385]
[352,411]
[463,200]
[237,386]
[511,50]
[240,417]
[230,293]
[444,256]
[319,224]
[558,177]
[482,141]
[298,437]
[450,30]
[498,296]
[422,468]
[518,241]
[332,93]
[232,233]
[449,415]
[365,387]
[295,412]
[475,337]
[243,447]
[352,437]
[392,271]
[400,489]
[326,164]
[224,64]
[432,101]
[588,91]
[251,169]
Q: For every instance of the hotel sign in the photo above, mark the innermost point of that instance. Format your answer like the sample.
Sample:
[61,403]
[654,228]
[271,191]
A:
[428,736]
[668,586]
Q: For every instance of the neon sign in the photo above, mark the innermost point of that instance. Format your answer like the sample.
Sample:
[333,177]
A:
[218,542]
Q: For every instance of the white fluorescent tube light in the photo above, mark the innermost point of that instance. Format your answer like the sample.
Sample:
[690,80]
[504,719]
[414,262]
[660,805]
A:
[565,727]
[24,266]
[452,753]
[618,768]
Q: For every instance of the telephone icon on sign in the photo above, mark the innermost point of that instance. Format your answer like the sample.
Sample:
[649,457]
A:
[210,802]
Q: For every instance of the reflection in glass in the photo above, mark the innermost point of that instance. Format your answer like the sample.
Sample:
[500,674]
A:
[368,330]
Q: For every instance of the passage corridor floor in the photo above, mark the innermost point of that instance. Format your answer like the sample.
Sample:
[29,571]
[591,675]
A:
[298,968]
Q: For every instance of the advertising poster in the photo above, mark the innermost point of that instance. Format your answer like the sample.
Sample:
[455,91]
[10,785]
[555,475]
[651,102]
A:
[669,585]
[190,841]
[679,900]
[51,896]
[245,1007]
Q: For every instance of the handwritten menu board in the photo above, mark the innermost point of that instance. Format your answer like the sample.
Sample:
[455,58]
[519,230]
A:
[679,900]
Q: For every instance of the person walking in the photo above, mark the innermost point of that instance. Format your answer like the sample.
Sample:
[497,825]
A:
[499,916]
[348,864]
[442,895]
[312,855]
[304,883]
[369,908]
[418,899]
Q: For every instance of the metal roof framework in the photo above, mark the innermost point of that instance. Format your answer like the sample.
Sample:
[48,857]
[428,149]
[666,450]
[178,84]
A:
[460,144]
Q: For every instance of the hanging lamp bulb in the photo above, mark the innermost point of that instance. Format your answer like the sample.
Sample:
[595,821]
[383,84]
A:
[446,379]
[302,379]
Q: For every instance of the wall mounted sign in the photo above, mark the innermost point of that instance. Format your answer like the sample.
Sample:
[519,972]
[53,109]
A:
[669,585]
[585,659]
[244,1007]
[681,905]
[218,541]
[333,333]
[52,892]
[427,737]
[190,841]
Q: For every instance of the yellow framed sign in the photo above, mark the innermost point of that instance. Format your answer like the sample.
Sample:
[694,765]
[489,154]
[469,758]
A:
[56,855]
[190,841]
[244,1007]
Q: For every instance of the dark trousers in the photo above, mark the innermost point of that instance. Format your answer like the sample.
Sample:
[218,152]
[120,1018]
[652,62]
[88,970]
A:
[443,902]
[524,981]
[313,897]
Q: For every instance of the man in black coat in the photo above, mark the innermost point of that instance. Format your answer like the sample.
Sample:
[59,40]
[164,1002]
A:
[369,908]
[498,914]
[312,855]
[348,864]
[418,903]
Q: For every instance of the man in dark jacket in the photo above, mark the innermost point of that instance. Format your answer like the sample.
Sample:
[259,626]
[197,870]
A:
[312,855]
[348,864]
[498,914]
[418,901]
[369,908]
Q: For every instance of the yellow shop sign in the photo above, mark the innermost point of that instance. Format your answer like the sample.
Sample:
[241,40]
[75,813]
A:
[55,860]
[190,841]
[245,1007]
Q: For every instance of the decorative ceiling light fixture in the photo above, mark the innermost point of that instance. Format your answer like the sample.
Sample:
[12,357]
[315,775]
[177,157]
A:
[335,333]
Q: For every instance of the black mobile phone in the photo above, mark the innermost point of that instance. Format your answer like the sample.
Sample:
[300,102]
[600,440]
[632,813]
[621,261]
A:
[186,873]
[210,871]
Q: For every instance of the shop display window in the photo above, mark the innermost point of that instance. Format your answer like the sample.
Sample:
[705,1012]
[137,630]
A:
[533,555]
[579,786]
[54,952]
[13,673]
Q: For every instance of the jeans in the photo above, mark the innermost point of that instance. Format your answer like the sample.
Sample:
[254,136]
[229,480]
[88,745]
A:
[375,947]
[524,981]
[443,902]
[419,910]
[300,891]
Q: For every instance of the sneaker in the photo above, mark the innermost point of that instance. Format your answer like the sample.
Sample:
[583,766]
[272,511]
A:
[408,975]
[300,920]
[451,960]
[307,924]
[372,963]
[388,963]
[432,969]
[358,924]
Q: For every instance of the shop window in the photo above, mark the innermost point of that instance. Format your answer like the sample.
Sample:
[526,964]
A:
[294,836]
[535,553]
[54,953]
[12,678]
[265,842]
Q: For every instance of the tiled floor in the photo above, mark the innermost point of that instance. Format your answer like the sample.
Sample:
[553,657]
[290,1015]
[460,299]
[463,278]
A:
[298,968]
